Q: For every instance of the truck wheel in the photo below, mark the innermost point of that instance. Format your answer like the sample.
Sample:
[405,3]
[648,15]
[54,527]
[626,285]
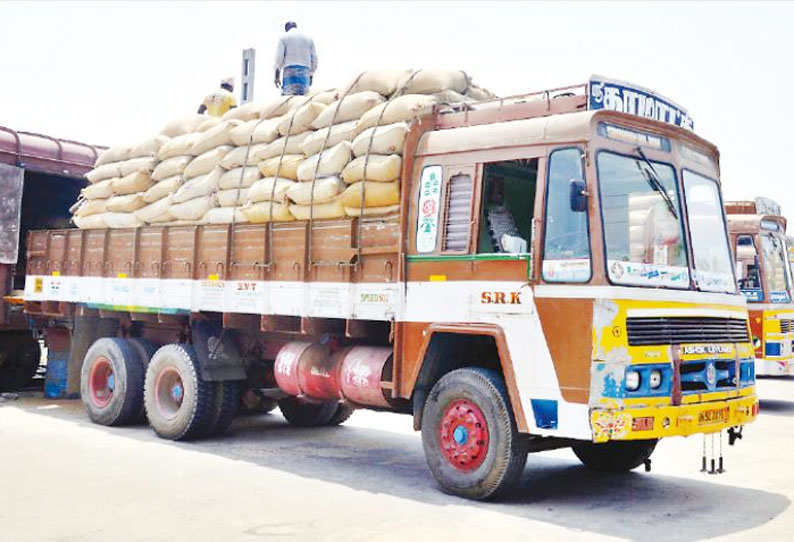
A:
[144,347]
[225,402]
[343,412]
[111,382]
[305,414]
[469,435]
[20,356]
[178,401]
[615,456]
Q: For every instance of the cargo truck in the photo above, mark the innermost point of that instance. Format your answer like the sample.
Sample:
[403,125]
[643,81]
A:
[758,238]
[606,320]
[40,177]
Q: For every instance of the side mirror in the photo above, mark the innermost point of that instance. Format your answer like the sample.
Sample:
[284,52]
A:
[578,195]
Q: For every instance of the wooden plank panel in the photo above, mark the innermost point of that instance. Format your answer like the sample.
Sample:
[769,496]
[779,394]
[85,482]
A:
[150,252]
[212,252]
[121,253]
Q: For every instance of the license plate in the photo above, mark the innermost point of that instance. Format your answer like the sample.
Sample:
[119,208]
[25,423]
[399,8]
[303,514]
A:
[717,415]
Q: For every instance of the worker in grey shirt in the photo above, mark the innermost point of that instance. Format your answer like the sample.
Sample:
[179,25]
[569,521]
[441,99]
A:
[296,61]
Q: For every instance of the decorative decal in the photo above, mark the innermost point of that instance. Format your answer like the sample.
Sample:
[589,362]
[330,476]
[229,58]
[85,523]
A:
[608,424]
[429,205]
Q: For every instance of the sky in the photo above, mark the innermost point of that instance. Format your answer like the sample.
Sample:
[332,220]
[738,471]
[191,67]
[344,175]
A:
[115,72]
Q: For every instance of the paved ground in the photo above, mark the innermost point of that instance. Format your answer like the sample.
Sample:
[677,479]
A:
[63,479]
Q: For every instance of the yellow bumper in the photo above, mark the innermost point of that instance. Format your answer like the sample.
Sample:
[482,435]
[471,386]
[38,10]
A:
[671,421]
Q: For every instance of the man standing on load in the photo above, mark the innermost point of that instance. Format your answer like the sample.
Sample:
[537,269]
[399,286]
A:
[220,101]
[296,62]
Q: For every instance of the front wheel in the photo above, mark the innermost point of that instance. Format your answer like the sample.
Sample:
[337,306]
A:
[469,435]
[615,456]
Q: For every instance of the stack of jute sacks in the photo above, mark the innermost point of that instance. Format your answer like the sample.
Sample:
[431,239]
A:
[330,154]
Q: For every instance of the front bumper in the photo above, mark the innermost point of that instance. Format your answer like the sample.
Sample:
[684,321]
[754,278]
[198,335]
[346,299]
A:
[774,366]
[670,421]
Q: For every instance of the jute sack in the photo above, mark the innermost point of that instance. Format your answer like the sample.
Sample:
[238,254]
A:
[434,80]
[237,156]
[331,162]
[215,137]
[91,222]
[383,82]
[119,153]
[183,125]
[388,140]
[290,145]
[170,167]
[325,189]
[330,209]
[478,93]
[149,147]
[206,161]
[203,185]
[211,122]
[91,207]
[242,177]
[339,132]
[156,212]
[451,97]
[266,132]
[178,146]
[122,220]
[288,169]
[232,197]
[301,120]
[259,213]
[162,188]
[99,190]
[125,204]
[404,108]
[275,107]
[321,96]
[241,135]
[380,167]
[351,107]
[193,209]
[372,211]
[262,190]
[224,215]
[105,171]
[245,112]
[375,194]
[137,164]
[138,181]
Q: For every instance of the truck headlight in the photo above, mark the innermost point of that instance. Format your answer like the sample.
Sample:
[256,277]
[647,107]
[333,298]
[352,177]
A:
[632,380]
[756,342]
[655,379]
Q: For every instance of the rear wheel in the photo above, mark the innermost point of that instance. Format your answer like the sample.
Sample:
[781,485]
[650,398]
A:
[20,356]
[343,412]
[305,414]
[111,382]
[471,441]
[225,402]
[179,403]
[615,456]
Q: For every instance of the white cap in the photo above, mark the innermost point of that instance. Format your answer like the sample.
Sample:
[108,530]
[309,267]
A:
[228,81]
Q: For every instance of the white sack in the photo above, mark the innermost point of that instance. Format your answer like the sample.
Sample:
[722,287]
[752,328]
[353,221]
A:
[215,137]
[388,140]
[259,213]
[339,132]
[183,125]
[381,168]
[206,161]
[122,220]
[232,197]
[404,108]
[242,177]
[263,190]
[288,168]
[156,212]
[162,188]
[99,190]
[193,209]
[170,167]
[331,209]
[149,147]
[300,120]
[105,171]
[178,146]
[125,204]
[138,181]
[325,189]
[203,185]
[351,107]
[332,162]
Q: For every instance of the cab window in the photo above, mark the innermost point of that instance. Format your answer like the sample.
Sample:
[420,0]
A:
[566,243]
[747,268]
[508,196]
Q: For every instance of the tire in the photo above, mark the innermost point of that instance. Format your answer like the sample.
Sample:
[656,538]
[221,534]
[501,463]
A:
[469,435]
[145,349]
[253,404]
[20,357]
[304,414]
[111,382]
[179,403]
[342,414]
[615,456]
[225,403]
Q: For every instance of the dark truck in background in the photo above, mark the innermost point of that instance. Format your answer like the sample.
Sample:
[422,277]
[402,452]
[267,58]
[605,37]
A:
[40,178]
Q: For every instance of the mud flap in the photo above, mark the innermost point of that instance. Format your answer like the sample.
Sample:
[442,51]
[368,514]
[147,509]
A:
[218,356]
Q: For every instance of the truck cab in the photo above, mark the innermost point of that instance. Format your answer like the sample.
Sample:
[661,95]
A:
[758,238]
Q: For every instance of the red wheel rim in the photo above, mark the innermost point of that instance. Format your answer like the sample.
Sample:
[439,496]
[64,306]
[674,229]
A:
[169,392]
[464,435]
[101,382]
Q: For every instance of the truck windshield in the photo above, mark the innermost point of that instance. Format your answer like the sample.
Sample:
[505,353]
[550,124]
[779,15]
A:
[643,236]
[775,268]
[713,269]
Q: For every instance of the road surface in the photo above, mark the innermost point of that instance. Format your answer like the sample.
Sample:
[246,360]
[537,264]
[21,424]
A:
[64,479]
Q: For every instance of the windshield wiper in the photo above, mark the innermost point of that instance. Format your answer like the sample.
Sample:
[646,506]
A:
[653,180]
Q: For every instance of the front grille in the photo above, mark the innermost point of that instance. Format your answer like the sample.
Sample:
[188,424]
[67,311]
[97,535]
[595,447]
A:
[786,325]
[680,329]
[695,375]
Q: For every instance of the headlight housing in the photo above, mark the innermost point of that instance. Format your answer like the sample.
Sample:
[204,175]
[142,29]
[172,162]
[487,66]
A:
[655,379]
[633,380]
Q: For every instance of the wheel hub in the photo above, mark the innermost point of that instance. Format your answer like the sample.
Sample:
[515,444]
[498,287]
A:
[101,382]
[169,392]
[464,435]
